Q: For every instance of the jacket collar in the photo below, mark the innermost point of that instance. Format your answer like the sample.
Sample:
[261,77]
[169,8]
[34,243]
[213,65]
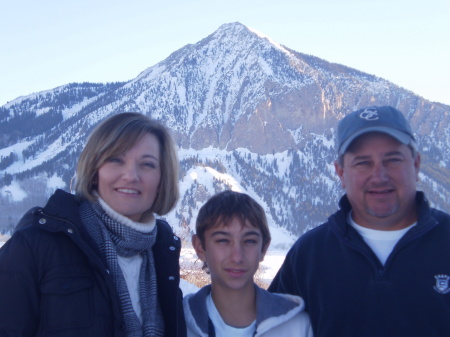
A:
[424,216]
[274,307]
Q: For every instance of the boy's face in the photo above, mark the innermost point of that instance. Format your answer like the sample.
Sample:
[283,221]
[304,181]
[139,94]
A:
[232,254]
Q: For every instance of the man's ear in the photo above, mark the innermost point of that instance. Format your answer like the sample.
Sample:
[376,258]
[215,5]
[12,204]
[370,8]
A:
[417,161]
[197,244]
[340,172]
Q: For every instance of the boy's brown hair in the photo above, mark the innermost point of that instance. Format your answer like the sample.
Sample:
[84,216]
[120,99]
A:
[223,207]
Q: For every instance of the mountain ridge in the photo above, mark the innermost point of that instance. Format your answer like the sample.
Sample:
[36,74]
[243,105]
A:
[239,105]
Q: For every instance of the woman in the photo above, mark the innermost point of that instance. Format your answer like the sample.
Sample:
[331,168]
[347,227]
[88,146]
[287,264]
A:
[98,263]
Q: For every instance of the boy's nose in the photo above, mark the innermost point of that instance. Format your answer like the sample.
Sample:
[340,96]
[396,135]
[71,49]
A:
[237,253]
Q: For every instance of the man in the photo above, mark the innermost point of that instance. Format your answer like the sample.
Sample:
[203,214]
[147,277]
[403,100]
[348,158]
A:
[380,265]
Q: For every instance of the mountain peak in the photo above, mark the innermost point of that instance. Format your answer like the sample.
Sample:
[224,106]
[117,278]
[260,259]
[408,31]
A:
[242,108]
[232,26]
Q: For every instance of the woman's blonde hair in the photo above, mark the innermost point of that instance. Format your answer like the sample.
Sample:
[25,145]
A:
[114,136]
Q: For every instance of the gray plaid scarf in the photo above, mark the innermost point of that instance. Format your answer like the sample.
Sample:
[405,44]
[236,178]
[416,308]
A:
[114,238]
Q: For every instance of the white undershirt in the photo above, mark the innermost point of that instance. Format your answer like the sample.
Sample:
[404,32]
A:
[381,242]
[221,328]
[131,266]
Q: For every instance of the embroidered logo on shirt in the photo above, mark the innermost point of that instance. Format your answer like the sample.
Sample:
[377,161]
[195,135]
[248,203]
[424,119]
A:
[442,285]
[369,114]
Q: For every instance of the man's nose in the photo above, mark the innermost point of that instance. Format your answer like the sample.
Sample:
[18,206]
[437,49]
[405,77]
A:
[379,172]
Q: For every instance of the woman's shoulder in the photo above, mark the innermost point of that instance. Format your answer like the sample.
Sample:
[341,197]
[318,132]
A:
[165,232]
[27,218]
[163,226]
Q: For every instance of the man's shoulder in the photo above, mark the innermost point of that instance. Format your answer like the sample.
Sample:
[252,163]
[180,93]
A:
[426,212]
[318,232]
[439,215]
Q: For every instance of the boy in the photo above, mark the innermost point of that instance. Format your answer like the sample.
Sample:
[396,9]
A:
[232,237]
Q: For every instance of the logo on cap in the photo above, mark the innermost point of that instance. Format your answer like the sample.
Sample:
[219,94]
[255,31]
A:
[369,114]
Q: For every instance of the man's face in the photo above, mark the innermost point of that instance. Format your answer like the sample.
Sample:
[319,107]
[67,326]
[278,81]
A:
[379,175]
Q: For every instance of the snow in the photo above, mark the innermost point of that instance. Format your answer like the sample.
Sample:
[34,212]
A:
[73,110]
[50,152]
[203,175]
[55,182]
[265,66]
[13,192]
[16,148]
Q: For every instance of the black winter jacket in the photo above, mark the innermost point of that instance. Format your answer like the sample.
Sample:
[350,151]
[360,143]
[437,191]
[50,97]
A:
[54,283]
[348,292]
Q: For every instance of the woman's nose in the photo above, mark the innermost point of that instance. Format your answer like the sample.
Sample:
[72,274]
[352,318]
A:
[131,172]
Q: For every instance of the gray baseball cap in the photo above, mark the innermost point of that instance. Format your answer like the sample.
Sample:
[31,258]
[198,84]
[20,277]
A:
[385,119]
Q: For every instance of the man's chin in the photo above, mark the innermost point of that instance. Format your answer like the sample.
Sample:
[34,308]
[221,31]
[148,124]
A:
[382,212]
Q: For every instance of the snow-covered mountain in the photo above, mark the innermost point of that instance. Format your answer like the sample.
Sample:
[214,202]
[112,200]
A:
[246,112]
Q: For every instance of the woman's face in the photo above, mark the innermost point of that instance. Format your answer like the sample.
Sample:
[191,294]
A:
[129,182]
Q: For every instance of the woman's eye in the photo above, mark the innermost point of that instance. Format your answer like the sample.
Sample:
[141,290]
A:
[149,164]
[114,160]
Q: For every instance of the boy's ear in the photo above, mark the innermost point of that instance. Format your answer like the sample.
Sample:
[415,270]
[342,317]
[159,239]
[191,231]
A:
[197,244]
[264,251]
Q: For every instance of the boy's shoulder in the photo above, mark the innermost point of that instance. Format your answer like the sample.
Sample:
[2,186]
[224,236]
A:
[275,303]
[195,303]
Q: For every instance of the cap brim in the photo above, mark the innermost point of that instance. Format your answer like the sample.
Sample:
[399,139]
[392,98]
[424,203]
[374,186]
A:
[402,137]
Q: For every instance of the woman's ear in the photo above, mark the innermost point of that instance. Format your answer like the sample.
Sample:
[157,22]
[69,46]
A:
[198,246]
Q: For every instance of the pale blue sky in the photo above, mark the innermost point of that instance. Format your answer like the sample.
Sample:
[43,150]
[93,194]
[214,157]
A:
[49,43]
